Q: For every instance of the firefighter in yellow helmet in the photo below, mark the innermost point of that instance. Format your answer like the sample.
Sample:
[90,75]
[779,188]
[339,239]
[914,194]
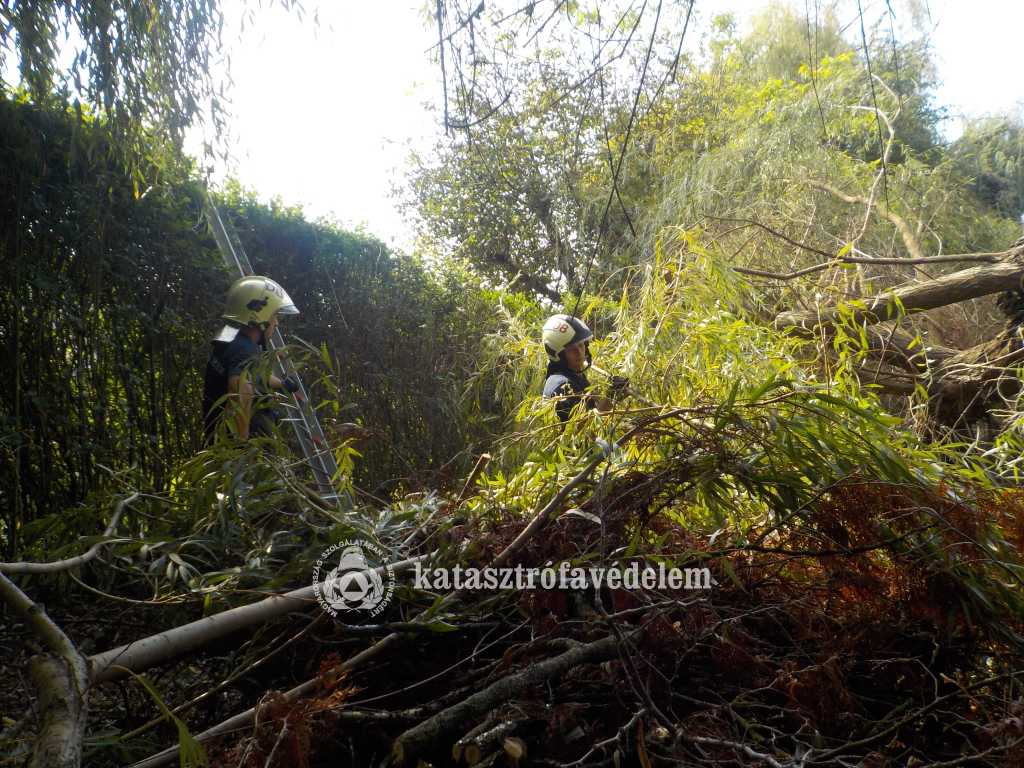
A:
[567,345]
[251,311]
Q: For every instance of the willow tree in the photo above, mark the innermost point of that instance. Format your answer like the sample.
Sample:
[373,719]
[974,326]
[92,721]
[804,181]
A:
[148,70]
[796,146]
[529,182]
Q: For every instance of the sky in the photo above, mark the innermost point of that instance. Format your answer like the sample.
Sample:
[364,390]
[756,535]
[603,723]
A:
[324,115]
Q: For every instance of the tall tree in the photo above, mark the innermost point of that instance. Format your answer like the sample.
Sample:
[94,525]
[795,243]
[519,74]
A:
[148,69]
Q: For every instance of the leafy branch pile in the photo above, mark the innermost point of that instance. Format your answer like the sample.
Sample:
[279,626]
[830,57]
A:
[842,650]
[864,607]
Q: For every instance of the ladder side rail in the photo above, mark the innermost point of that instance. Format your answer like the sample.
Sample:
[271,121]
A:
[305,422]
[321,457]
[227,249]
[307,426]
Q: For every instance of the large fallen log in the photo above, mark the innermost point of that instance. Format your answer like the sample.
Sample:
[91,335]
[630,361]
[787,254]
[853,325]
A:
[141,654]
[963,385]
[913,298]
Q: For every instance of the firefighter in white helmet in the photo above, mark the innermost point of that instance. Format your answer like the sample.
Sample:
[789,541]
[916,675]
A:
[251,310]
[567,345]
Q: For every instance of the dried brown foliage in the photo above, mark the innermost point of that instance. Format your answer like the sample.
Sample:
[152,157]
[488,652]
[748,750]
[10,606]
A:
[846,641]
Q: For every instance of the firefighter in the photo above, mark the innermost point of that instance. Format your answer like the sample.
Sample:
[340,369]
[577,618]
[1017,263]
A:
[567,344]
[251,311]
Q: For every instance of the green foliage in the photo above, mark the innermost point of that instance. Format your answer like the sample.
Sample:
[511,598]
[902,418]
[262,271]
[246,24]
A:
[398,335]
[736,435]
[990,153]
[781,41]
[518,187]
[192,752]
[147,68]
[735,439]
[103,310]
[109,290]
[524,193]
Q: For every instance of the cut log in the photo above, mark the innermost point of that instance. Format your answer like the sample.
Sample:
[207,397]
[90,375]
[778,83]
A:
[462,743]
[487,743]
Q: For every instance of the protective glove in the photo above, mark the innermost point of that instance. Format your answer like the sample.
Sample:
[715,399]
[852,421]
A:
[618,385]
[288,384]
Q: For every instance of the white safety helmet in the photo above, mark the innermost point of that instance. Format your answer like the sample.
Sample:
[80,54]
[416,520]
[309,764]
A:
[561,331]
[252,301]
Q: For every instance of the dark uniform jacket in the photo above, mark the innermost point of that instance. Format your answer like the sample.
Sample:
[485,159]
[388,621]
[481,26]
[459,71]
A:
[569,386]
[227,359]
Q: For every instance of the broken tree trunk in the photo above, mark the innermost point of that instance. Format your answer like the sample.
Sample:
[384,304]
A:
[61,679]
[973,283]
[963,386]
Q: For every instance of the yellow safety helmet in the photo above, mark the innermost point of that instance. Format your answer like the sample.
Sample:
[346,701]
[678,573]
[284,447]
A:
[252,301]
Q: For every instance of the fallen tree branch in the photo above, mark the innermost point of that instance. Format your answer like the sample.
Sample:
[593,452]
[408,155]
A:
[415,740]
[911,239]
[72,562]
[776,233]
[61,680]
[834,259]
[617,740]
[128,600]
[541,518]
[478,468]
[990,258]
[914,298]
[632,673]
[217,688]
[896,347]
[484,725]
[143,653]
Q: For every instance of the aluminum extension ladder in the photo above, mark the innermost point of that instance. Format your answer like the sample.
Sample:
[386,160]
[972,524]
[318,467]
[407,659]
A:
[301,414]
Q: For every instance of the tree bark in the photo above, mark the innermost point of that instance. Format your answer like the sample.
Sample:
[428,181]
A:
[148,651]
[61,680]
[959,286]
